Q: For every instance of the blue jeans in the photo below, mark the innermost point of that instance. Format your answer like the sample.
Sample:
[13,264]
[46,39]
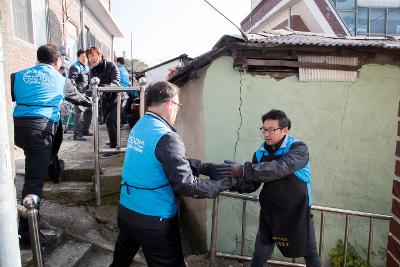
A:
[262,253]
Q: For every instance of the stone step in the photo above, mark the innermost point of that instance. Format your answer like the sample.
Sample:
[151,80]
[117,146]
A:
[75,192]
[68,192]
[100,258]
[68,254]
[26,254]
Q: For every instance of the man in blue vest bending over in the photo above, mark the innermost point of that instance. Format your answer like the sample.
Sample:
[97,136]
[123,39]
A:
[281,163]
[38,93]
[155,172]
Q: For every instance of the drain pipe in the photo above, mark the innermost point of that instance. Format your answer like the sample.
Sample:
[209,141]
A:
[9,247]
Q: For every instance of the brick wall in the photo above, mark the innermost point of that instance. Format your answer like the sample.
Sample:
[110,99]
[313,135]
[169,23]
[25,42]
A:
[258,13]
[393,254]
[330,17]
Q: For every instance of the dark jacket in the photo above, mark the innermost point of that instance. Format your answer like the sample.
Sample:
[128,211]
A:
[109,75]
[79,77]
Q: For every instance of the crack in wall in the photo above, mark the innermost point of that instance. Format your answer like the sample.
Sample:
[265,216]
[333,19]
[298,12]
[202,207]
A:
[344,109]
[241,117]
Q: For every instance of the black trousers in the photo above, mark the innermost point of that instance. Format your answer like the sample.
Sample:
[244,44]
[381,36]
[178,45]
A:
[111,123]
[82,120]
[161,247]
[40,149]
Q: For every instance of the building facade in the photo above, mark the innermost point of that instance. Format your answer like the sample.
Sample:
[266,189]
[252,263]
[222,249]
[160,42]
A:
[27,24]
[340,17]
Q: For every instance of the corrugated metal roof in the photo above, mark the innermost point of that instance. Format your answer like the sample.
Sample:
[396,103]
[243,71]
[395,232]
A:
[285,37]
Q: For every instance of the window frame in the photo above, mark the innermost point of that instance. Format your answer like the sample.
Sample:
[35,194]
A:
[32,44]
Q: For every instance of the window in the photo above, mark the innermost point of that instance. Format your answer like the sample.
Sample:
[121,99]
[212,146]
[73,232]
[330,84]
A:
[349,18]
[362,21]
[39,22]
[29,21]
[393,21]
[22,20]
[345,4]
[377,21]
[72,41]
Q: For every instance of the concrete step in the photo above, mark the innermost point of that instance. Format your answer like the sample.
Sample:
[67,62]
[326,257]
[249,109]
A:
[68,192]
[26,254]
[76,192]
[101,258]
[68,254]
[98,258]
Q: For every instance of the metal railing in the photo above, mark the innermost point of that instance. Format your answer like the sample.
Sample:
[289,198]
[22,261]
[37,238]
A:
[30,212]
[348,213]
[97,151]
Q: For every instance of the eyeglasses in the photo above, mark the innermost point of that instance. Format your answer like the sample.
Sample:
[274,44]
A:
[270,131]
[179,105]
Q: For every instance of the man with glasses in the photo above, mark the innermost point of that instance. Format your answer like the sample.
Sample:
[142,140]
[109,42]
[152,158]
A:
[281,163]
[155,172]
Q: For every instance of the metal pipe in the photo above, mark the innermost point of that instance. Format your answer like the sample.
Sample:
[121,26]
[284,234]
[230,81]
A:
[321,235]
[244,226]
[142,84]
[31,203]
[82,19]
[94,83]
[108,150]
[113,89]
[370,238]
[247,258]
[239,196]
[9,249]
[214,226]
[346,237]
[118,119]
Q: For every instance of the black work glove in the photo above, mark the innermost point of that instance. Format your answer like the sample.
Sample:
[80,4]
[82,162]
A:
[219,171]
[236,168]
[195,166]
[87,102]
[230,183]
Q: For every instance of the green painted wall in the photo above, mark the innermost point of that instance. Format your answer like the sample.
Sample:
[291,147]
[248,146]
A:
[349,127]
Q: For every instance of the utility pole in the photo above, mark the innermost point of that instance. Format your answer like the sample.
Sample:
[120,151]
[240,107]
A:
[9,248]
[131,60]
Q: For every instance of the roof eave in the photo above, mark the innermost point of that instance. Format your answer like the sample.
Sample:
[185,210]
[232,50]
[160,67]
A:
[102,13]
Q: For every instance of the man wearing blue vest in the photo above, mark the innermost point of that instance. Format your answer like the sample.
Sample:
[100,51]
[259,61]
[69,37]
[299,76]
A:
[124,83]
[79,75]
[38,93]
[281,163]
[155,172]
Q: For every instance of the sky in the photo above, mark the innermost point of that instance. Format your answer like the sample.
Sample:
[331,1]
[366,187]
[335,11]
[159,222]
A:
[164,29]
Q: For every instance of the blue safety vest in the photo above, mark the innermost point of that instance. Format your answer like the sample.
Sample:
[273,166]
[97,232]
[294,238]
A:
[304,174]
[124,76]
[81,67]
[145,188]
[39,92]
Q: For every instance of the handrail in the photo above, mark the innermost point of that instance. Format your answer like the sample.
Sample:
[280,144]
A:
[30,212]
[97,151]
[244,197]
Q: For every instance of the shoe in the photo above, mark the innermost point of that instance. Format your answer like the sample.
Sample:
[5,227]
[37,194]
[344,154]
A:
[124,126]
[79,138]
[55,170]
[109,155]
[45,240]
[87,134]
